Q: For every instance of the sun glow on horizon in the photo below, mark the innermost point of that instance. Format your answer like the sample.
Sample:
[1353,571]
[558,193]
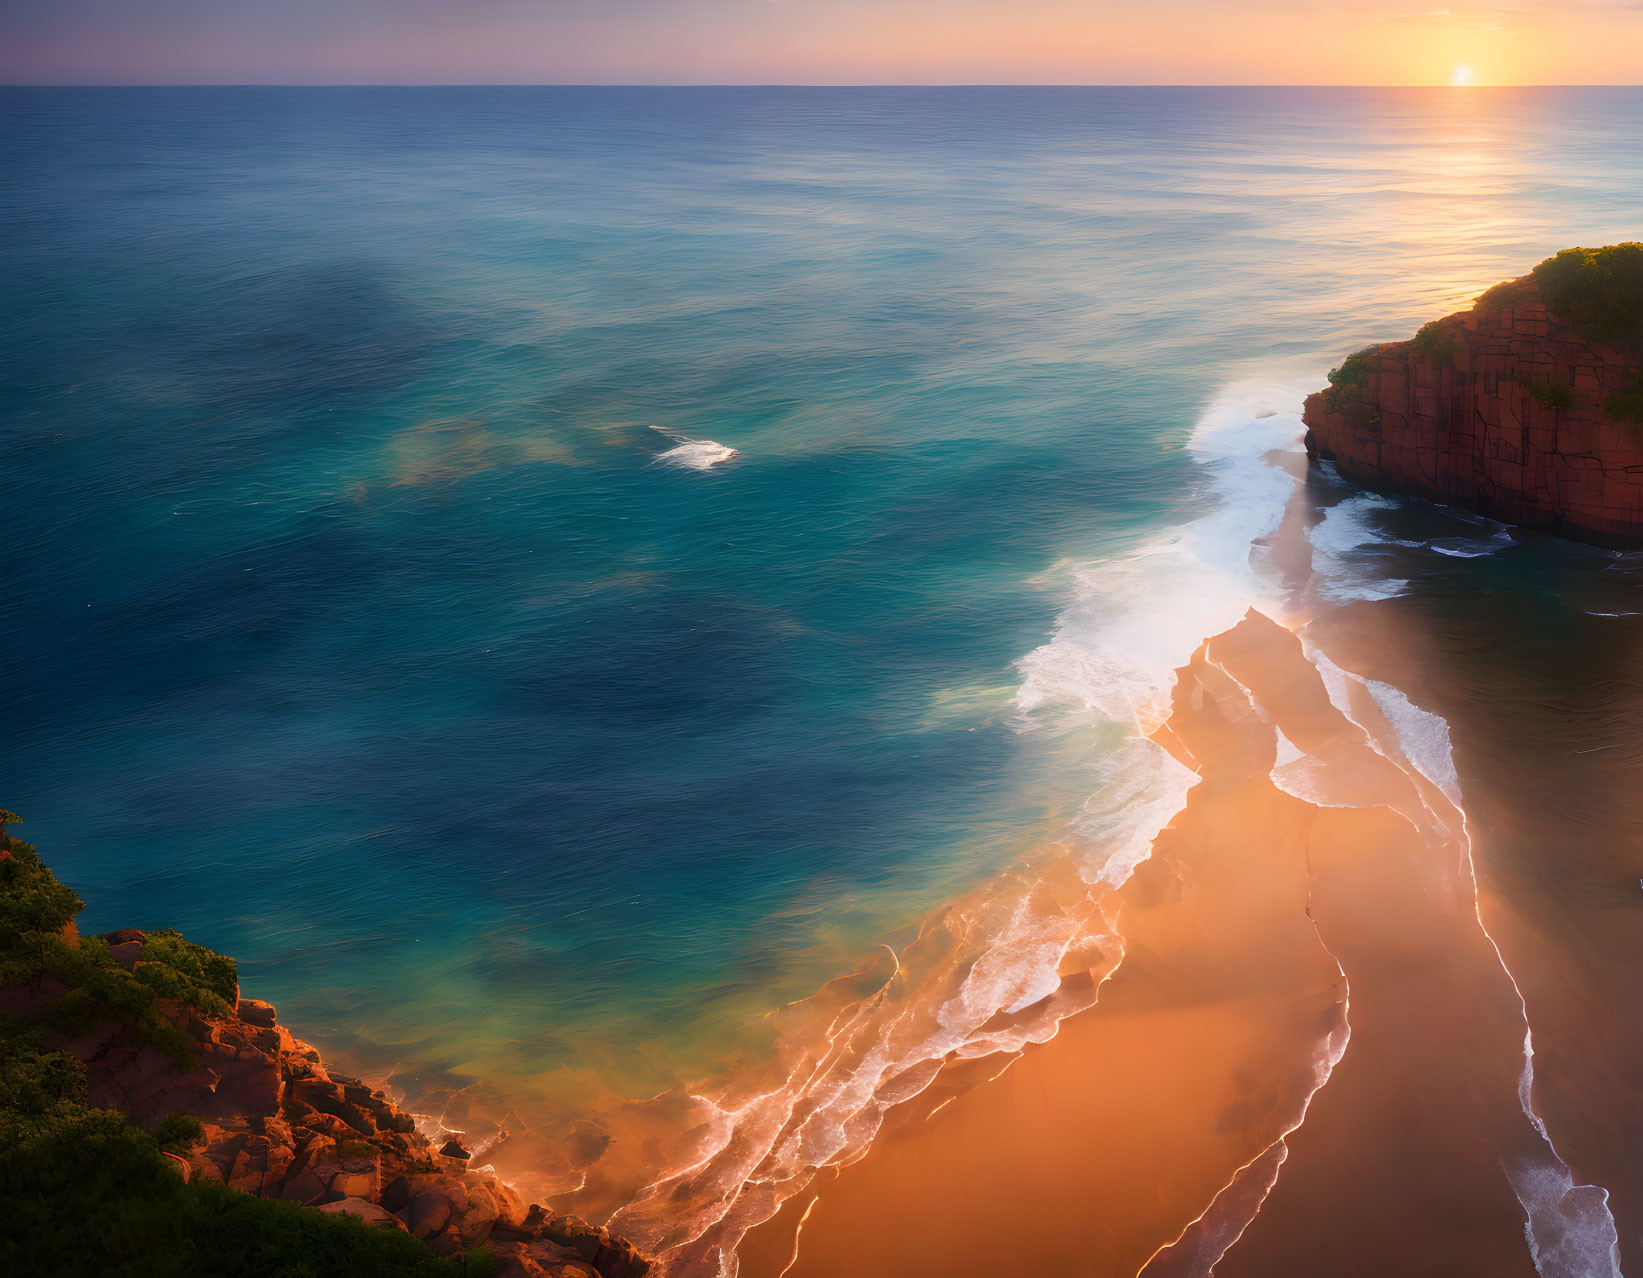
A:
[769,42]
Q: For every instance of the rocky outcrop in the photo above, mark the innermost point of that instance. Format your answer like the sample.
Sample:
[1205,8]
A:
[277,1123]
[1508,409]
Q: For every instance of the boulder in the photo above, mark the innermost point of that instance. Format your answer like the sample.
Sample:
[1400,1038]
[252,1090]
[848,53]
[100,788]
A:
[127,953]
[355,1184]
[256,1012]
[557,1262]
[366,1210]
[571,1231]
[250,1166]
[428,1213]
[304,1185]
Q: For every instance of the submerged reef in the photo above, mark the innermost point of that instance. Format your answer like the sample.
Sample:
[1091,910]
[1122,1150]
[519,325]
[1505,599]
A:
[1526,408]
[153,1121]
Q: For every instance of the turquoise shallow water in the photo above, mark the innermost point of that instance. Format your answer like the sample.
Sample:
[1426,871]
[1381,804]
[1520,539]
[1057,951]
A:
[354,626]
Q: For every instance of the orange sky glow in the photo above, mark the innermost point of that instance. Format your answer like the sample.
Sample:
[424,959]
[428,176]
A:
[815,42]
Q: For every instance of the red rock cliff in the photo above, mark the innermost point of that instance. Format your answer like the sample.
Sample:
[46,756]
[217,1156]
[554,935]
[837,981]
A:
[277,1123]
[1500,409]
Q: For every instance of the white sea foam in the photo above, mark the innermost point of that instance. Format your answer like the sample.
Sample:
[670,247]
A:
[1349,548]
[1142,788]
[1475,547]
[1487,536]
[1343,558]
[1311,781]
[1422,735]
[692,454]
[988,975]
[1138,616]
[1570,1228]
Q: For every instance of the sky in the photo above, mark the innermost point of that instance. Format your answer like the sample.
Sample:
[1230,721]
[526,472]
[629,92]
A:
[819,42]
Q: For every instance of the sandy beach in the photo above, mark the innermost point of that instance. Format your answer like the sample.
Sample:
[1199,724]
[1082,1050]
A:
[1310,1048]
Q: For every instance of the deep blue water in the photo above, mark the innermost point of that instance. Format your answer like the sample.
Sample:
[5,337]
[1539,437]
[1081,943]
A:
[353,627]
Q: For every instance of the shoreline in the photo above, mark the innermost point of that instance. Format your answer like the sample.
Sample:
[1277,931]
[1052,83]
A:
[1168,1013]
[1007,963]
[1007,817]
[879,1046]
[1212,1096]
[1376,776]
[816,1143]
[141,1082]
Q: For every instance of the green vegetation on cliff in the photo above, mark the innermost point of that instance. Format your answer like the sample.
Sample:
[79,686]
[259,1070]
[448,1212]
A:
[1598,290]
[85,1191]
[37,942]
[1434,341]
[1549,393]
[1347,386]
[1627,405]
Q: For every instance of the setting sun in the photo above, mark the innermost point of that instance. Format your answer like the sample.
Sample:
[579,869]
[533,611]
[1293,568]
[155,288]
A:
[1461,76]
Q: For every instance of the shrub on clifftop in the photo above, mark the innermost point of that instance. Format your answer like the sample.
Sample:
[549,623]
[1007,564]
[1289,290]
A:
[1435,342]
[32,901]
[178,1133]
[175,968]
[85,1192]
[1347,385]
[37,941]
[1599,290]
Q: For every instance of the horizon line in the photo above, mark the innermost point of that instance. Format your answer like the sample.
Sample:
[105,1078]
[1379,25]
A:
[783,84]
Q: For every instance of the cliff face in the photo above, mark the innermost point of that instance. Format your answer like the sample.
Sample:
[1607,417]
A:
[274,1122]
[1503,409]
[278,1124]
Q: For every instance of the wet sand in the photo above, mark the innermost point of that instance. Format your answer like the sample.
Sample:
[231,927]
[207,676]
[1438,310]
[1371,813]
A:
[1291,1042]
[1547,724]
[1310,1047]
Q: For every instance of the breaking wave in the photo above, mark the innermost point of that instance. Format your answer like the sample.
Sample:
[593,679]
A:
[693,454]
[1004,965]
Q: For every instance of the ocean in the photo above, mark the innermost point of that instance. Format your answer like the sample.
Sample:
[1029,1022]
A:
[549,577]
